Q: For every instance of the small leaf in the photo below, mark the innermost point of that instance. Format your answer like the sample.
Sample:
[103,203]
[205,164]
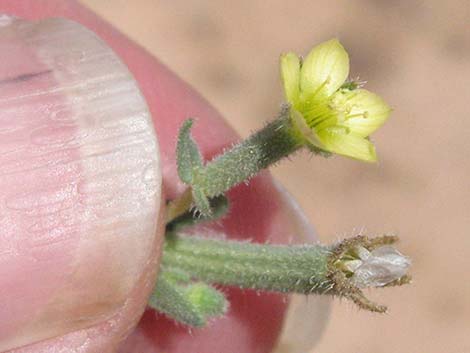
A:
[168,298]
[190,304]
[208,301]
[188,156]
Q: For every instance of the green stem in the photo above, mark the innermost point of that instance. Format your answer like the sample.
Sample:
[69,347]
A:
[275,141]
[190,265]
[296,268]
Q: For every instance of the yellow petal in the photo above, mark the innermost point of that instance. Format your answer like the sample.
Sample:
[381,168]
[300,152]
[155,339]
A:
[304,131]
[365,111]
[350,145]
[324,69]
[290,74]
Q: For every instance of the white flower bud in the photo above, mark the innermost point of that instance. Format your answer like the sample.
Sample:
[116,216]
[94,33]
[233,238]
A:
[378,267]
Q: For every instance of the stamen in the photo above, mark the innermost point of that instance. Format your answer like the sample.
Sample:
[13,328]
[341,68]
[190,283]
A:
[364,115]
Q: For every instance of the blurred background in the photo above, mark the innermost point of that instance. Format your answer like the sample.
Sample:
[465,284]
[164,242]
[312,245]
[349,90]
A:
[415,54]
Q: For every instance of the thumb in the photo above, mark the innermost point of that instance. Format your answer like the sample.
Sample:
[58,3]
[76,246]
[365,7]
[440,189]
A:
[80,184]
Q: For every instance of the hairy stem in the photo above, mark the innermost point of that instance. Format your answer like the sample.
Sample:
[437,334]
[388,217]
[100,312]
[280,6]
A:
[296,268]
[275,141]
[306,269]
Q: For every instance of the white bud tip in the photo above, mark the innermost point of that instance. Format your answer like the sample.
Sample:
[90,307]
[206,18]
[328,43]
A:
[379,267]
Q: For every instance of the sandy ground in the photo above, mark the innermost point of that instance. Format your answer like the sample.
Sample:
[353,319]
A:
[416,54]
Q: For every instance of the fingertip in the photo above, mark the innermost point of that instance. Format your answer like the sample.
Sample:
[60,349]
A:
[80,183]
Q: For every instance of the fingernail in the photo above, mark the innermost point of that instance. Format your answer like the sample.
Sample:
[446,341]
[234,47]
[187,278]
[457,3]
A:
[80,181]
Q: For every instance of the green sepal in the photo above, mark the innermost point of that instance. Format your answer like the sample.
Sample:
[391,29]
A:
[188,156]
[350,85]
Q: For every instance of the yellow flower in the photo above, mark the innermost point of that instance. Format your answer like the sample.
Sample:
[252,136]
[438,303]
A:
[330,115]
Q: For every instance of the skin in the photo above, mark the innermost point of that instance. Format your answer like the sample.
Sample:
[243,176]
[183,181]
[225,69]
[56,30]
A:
[259,212]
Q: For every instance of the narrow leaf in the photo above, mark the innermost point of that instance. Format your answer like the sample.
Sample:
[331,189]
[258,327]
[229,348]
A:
[188,156]
[190,304]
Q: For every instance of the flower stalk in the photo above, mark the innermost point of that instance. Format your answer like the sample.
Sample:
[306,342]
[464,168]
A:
[305,269]
[276,140]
